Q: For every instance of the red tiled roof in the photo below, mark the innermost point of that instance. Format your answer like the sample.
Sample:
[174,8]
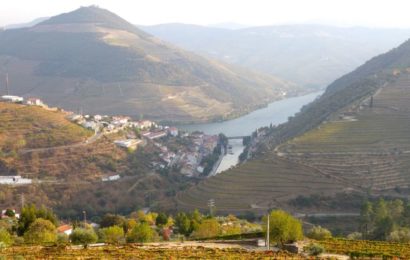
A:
[63,228]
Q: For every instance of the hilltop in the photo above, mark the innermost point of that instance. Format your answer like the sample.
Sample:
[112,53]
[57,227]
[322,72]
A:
[311,55]
[92,59]
[349,144]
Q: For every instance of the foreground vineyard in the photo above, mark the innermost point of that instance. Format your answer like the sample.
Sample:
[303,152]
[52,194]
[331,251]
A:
[138,252]
[360,248]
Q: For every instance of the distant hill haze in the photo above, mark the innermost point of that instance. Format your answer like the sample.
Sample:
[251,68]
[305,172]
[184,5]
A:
[93,60]
[309,55]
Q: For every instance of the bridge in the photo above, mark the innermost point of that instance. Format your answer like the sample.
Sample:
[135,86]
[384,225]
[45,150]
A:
[237,137]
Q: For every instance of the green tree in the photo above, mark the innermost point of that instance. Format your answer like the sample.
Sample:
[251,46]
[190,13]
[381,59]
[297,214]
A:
[183,223]
[207,228]
[10,213]
[5,238]
[41,231]
[161,219]
[81,236]
[401,235]
[380,210]
[141,233]
[383,228]
[366,218]
[30,213]
[314,249]
[284,227]
[319,233]
[110,220]
[113,235]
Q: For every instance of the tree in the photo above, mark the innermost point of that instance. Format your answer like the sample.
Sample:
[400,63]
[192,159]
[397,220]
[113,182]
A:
[183,223]
[314,249]
[366,218]
[10,213]
[401,235]
[110,220]
[207,228]
[41,231]
[30,213]
[5,238]
[319,233]
[161,220]
[141,233]
[81,236]
[113,235]
[283,227]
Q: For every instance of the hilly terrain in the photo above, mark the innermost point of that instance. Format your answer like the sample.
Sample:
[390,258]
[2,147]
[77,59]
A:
[93,60]
[351,143]
[311,55]
[66,164]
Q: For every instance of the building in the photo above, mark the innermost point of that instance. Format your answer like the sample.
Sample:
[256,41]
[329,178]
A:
[112,178]
[173,131]
[13,99]
[35,102]
[128,143]
[3,213]
[65,229]
[14,180]
[156,135]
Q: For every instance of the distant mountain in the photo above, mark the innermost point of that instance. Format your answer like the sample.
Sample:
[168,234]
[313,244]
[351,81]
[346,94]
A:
[92,59]
[310,55]
[24,25]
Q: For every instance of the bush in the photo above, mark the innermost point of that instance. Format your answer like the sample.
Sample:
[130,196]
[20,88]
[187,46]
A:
[401,235]
[113,235]
[62,240]
[284,227]
[81,236]
[207,229]
[355,236]
[319,233]
[314,249]
[5,238]
[141,233]
[41,231]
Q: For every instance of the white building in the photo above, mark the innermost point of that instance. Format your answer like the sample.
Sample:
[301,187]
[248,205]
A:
[14,99]
[35,102]
[14,180]
[127,143]
[111,178]
[173,131]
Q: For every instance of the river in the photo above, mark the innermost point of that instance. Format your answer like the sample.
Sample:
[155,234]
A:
[275,113]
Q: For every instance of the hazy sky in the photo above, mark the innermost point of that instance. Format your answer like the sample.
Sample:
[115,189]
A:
[374,13]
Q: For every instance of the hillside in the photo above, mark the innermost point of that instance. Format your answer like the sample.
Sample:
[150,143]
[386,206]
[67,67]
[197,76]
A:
[93,60]
[310,55]
[66,171]
[352,140]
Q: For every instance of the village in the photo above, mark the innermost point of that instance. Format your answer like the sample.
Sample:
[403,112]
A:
[178,149]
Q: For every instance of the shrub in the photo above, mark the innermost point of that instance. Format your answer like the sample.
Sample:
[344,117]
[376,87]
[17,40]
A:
[319,233]
[355,236]
[284,227]
[208,228]
[401,235]
[5,238]
[113,235]
[41,231]
[141,233]
[81,236]
[314,249]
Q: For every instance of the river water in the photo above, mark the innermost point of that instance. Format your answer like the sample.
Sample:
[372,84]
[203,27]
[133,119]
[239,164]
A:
[275,113]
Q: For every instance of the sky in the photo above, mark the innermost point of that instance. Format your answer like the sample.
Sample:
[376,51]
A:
[369,13]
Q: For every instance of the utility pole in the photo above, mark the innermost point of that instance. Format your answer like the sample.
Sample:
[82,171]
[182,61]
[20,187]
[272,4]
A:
[211,205]
[7,84]
[85,218]
[267,232]
[22,201]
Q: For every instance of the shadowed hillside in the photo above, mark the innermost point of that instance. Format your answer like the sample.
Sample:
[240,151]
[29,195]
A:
[92,59]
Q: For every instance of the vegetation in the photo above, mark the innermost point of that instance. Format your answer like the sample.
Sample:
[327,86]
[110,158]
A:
[283,227]
[83,236]
[41,231]
[319,233]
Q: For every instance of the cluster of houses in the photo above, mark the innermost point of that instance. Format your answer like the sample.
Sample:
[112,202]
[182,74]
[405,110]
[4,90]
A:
[32,101]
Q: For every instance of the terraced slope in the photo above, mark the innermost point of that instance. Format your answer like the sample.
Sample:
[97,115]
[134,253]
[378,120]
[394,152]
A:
[370,147]
[268,182]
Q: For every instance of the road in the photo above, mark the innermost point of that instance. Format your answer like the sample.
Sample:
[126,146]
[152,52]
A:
[92,139]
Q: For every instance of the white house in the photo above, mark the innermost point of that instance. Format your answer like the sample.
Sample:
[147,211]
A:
[127,143]
[35,102]
[14,99]
[111,178]
[65,229]
[14,180]
[173,131]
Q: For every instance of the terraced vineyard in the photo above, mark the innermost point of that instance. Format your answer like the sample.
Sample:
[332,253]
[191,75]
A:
[370,249]
[371,148]
[366,147]
[258,184]
[138,252]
